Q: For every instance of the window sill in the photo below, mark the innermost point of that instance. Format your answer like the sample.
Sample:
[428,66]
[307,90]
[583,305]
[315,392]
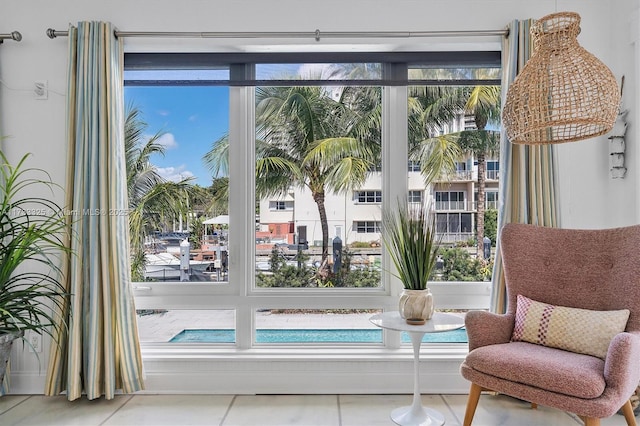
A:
[311,352]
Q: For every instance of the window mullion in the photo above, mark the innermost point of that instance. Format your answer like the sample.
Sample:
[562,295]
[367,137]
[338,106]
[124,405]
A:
[242,204]
[395,185]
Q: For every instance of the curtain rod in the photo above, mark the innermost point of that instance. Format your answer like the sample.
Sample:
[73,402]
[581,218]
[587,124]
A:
[14,35]
[317,35]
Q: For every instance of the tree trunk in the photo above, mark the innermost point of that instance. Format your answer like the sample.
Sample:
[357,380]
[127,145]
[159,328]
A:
[318,197]
[480,206]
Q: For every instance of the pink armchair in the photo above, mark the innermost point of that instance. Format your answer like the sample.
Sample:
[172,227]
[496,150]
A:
[597,270]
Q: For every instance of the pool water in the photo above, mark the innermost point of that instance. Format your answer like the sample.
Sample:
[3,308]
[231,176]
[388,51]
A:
[311,336]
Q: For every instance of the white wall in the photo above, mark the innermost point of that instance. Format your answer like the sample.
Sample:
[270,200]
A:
[589,198]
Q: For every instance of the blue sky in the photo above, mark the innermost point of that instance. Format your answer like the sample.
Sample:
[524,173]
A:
[191,118]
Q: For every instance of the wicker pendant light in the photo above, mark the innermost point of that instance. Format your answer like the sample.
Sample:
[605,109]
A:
[563,93]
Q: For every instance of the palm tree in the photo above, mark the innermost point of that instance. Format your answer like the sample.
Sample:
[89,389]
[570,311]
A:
[219,193]
[217,161]
[206,202]
[152,200]
[431,109]
[484,104]
[309,140]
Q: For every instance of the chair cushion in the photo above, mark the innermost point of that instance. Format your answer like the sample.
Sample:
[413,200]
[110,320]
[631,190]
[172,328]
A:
[577,330]
[542,367]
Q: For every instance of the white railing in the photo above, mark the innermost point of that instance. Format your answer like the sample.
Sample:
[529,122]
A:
[488,205]
[469,175]
[455,237]
[451,205]
[493,174]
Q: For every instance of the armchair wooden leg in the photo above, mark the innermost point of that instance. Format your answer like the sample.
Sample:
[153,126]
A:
[472,403]
[627,410]
[591,421]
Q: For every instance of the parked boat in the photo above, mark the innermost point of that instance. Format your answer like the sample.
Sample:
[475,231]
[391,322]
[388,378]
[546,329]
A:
[167,266]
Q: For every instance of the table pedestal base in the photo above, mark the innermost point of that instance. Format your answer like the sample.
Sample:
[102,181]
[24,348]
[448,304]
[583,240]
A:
[417,416]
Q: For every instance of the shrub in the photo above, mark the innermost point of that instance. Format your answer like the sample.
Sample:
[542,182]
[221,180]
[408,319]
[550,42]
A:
[459,265]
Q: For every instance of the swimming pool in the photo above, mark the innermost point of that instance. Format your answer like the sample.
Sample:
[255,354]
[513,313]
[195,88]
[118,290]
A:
[310,336]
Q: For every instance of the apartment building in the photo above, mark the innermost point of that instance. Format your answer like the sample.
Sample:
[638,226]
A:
[355,216]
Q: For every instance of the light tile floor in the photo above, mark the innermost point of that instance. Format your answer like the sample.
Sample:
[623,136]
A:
[269,410]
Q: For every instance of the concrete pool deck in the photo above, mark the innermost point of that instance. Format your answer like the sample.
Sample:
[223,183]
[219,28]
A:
[161,327]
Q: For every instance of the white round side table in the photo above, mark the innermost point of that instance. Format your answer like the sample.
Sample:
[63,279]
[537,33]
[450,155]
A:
[415,414]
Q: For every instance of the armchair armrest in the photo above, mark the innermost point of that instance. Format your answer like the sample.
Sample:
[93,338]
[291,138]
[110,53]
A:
[486,328]
[621,367]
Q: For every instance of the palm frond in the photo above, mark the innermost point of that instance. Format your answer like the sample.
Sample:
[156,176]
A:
[217,158]
[478,141]
[32,231]
[437,157]
[344,162]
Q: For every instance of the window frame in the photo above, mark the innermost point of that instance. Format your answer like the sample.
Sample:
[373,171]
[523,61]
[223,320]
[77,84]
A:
[458,204]
[367,226]
[240,293]
[415,196]
[368,196]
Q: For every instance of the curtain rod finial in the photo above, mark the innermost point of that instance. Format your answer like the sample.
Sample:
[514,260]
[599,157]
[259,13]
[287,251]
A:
[14,35]
[51,33]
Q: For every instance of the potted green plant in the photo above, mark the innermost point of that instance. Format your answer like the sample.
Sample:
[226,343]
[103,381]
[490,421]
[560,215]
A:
[409,235]
[32,229]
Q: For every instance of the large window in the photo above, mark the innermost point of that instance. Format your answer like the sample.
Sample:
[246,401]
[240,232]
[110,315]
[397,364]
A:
[318,141]
[273,172]
[179,210]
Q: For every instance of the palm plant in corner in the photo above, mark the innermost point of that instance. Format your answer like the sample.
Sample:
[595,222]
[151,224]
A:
[409,235]
[32,232]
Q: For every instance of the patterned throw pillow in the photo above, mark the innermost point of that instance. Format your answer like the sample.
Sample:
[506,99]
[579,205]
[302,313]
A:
[572,329]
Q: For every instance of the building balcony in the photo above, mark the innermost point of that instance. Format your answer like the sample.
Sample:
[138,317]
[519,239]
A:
[469,175]
[455,237]
[464,206]
[493,175]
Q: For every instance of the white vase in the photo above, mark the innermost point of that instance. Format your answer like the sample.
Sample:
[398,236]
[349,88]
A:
[416,306]
[6,341]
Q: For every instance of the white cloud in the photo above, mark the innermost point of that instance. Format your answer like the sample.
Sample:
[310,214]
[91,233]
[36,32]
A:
[174,174]
[167,140]
[317,71]
[193,118]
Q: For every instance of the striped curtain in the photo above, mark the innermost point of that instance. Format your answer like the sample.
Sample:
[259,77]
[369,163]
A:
[100,351]
[6,383]
[527,190]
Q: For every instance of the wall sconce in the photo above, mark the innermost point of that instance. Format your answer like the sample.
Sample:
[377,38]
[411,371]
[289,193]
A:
[617,147]
[563,92]
[617,142]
